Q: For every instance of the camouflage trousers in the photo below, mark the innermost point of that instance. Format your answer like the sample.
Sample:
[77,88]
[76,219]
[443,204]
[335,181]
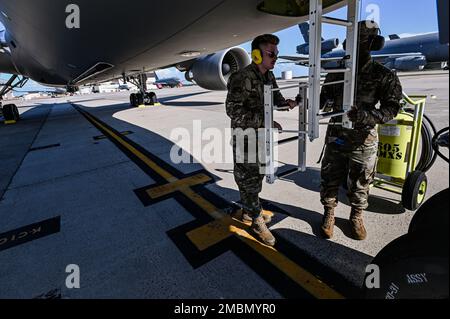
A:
[357,165]
[248,177]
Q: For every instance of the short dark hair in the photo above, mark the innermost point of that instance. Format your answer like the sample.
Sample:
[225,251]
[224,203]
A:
[264,39]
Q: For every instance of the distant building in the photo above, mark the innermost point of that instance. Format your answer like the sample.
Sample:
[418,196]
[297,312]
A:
[33,96]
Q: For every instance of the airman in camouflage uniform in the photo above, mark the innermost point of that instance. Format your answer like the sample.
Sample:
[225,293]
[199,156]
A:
[245,107]
[352,153]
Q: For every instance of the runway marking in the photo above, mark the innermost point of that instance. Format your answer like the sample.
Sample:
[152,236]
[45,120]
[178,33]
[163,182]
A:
[222,227]
[103,137]
[219,230]
[29,233]
[179,185]
[145,106]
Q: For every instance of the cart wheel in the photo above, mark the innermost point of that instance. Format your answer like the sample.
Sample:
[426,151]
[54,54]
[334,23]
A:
[414,190]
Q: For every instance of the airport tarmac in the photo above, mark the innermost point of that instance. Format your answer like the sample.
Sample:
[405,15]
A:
[88,181]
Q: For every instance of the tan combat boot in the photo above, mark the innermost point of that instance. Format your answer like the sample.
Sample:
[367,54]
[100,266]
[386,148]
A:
[259,228]
[328,223]
[246,217]
[356,220]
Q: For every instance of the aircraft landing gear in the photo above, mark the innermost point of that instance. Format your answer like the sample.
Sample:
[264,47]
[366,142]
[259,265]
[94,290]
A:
[143,97]
[148,98]
[10,112]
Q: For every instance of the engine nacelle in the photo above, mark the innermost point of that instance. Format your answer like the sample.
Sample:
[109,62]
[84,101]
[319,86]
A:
[329,45]
[407,63]
[213,71]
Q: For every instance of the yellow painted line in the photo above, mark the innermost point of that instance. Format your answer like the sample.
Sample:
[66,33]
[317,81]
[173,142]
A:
[102,137]
[144,106]
[204,204]
[167,189]
[218,230]
[301,276]
[213,233]
[10,122]
[152,165]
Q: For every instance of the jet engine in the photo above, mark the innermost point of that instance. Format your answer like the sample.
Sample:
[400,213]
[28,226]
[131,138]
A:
[213,71]
[330,44]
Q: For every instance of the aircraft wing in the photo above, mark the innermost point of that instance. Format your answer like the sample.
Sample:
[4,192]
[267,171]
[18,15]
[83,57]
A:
[45,51]
[304,60]
[397,55]
[6,64]
[299,60]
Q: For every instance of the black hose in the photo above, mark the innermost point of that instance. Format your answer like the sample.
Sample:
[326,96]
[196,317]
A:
[436,144]
[432,154]
[428,155]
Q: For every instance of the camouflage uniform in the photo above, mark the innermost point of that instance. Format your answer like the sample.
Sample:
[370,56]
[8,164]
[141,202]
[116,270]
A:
[245,107]
[352,154]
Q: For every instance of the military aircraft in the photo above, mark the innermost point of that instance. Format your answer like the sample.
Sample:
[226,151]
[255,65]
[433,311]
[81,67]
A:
[404,54]
[167,82]
[57,44]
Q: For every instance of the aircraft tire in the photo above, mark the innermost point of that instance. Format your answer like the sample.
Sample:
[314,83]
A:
[11,112]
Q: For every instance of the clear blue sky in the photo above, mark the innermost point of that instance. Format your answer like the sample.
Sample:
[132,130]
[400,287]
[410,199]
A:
[396,16]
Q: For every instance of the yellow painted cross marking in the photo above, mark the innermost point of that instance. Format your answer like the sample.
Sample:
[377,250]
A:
[218,230]
[163,190]
[213,233]
[224,226]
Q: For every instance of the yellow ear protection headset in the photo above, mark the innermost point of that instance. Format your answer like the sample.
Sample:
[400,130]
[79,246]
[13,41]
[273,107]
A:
[257,56]
[257,53]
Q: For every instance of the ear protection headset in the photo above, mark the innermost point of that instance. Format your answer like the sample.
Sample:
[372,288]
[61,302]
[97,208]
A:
[377,42]
[257,53]
[257,56]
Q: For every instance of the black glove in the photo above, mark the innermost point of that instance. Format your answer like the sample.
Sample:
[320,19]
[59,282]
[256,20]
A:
[358,116]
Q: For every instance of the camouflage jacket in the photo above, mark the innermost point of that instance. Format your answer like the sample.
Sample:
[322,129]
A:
[375,84]
[245,100]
